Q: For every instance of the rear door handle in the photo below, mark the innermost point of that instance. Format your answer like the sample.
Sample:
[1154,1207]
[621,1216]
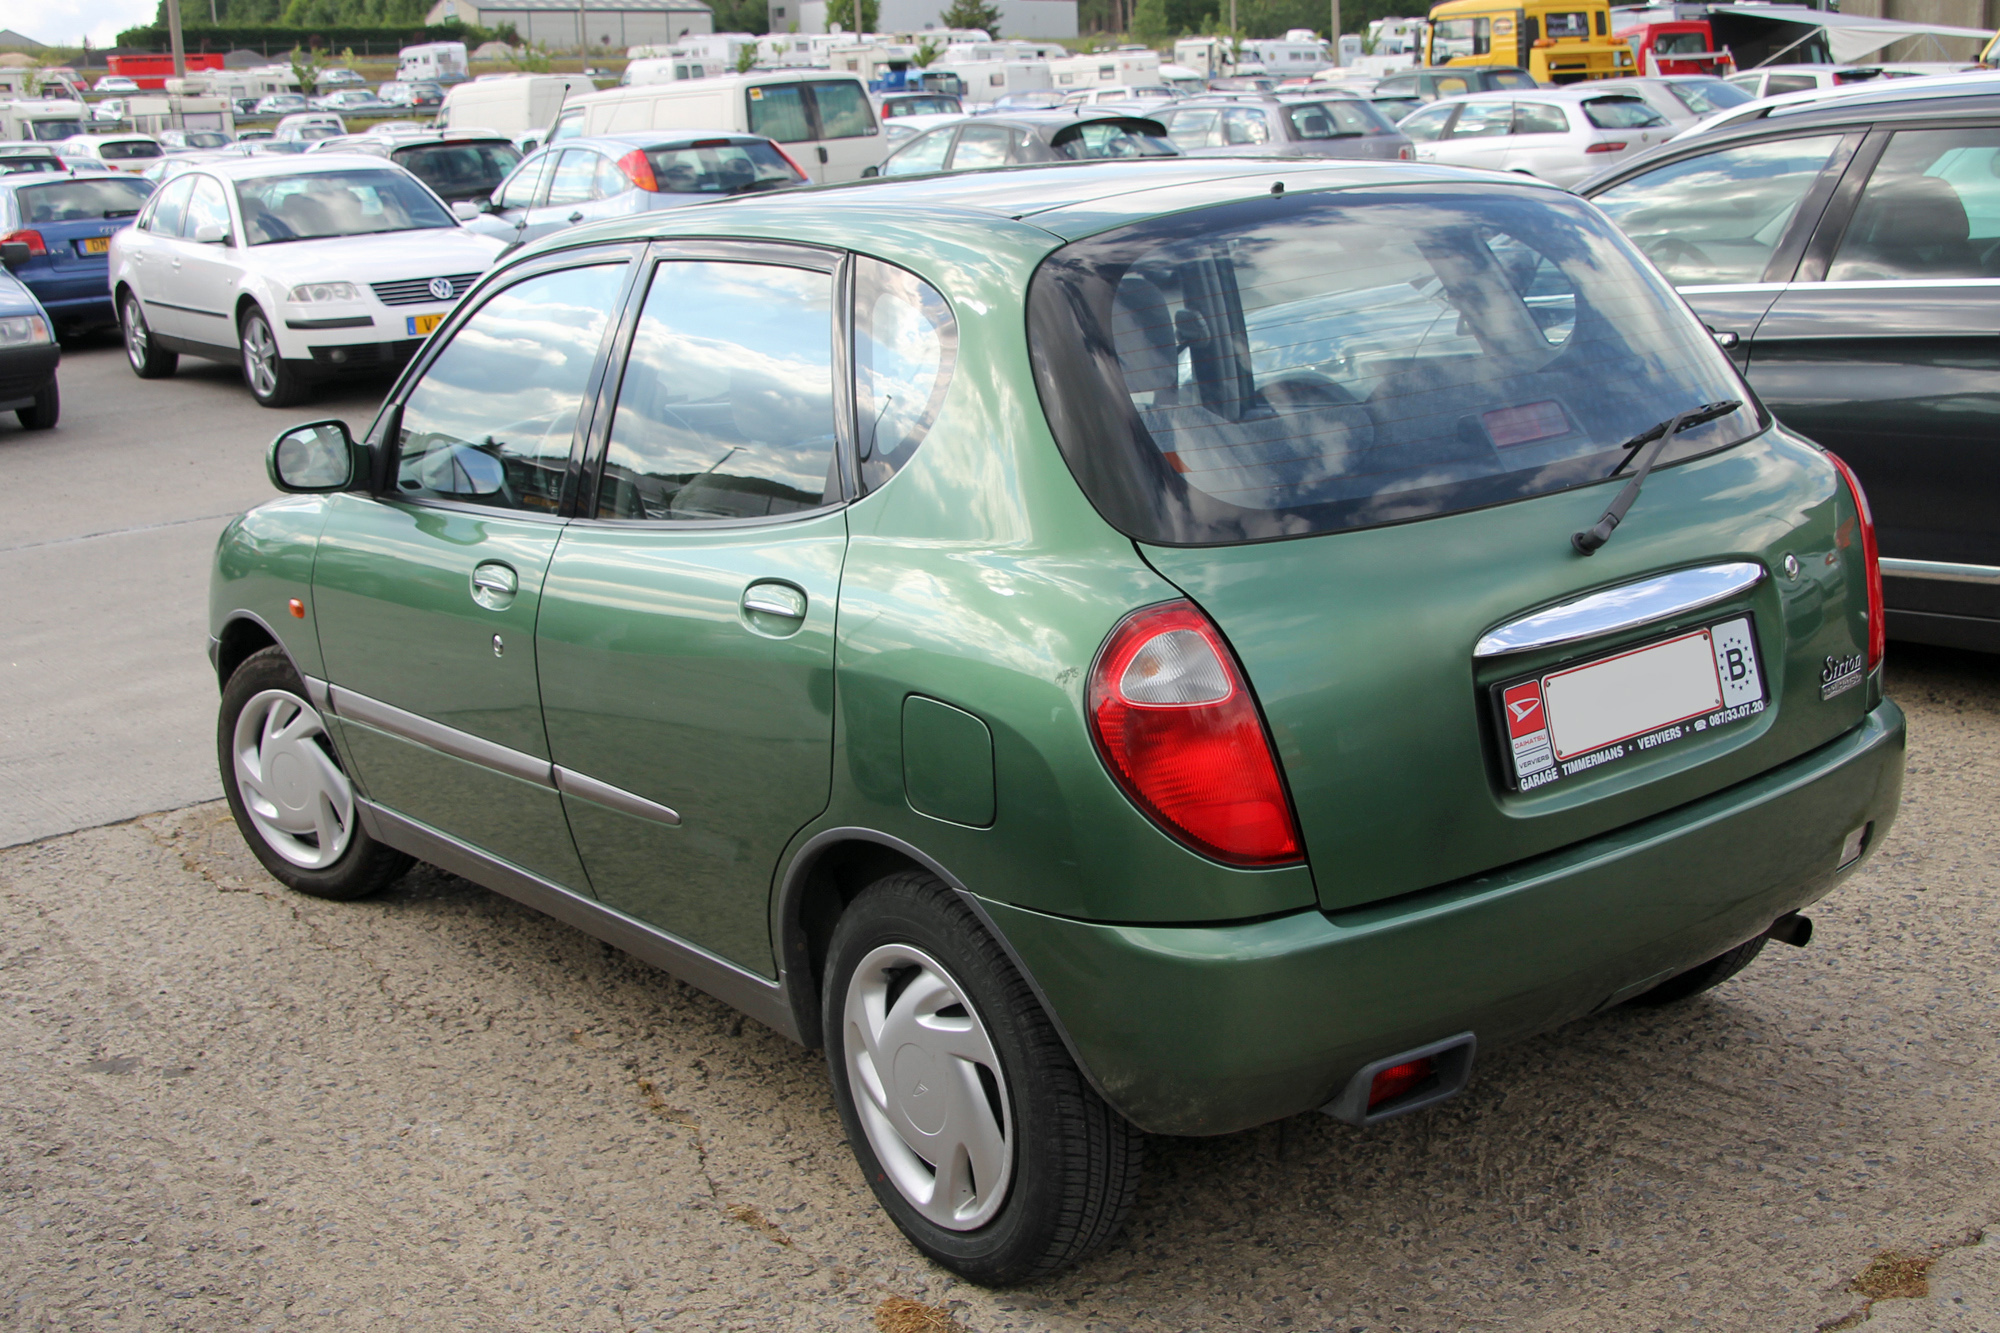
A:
[775,599]
[823,159]
[576,216]
[494,585]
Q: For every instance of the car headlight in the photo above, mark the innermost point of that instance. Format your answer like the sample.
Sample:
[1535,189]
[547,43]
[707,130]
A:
[23,331]
[307,293]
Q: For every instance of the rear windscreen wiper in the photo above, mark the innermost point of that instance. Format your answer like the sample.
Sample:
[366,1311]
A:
[1658,437]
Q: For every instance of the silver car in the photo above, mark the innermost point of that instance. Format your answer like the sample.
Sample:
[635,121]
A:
[1561,135]
[1268,126]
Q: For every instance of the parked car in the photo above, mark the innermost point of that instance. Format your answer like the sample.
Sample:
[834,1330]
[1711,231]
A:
[183,141]
[28,351]
[1320,126]
[19,158]
[1035,99]
[341,77]
[615,175]
[1431,84]
[294,268]
[1785,104]
[1031,136]
[114,152]
[1180,704]
[1772,80]
[66,222]
[1148,95]
[1684,99]
[1558,134]
[115,83]
[456,164]
[1847,251]
[110,111]
[281,104]
[354,102]
[904,128]
[894,106]
[1395,106]
[418,96]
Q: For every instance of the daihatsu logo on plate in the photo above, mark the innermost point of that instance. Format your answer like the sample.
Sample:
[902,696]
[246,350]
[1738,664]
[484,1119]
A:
[441,288]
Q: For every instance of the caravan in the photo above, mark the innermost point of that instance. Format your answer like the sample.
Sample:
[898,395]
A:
[432,62]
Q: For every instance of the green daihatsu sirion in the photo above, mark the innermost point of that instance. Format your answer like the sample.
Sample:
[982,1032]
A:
[1105,649]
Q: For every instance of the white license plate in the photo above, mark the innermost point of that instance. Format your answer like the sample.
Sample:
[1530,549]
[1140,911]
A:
[419,325]
[1568,722]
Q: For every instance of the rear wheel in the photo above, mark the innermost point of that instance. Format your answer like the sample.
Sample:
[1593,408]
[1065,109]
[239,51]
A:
[149,360]
[971,1123]
[293,803]
[47,408]
[272,381]
[1702,976]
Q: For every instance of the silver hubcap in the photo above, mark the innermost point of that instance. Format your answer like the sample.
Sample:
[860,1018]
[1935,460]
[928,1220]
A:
[295,794]
[135,333]
[260,358]
[928,1087]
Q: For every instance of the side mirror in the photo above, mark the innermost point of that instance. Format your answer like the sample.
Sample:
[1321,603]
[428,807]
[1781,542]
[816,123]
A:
[317,457]
[211,233]
[464,210]
[869,173]
[13,253]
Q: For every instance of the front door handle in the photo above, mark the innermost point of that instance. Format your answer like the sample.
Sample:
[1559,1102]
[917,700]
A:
[775,599]
[494,585]
[823,159]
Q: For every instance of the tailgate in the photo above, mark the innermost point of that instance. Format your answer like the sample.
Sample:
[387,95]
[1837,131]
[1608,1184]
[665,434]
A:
[1361,648]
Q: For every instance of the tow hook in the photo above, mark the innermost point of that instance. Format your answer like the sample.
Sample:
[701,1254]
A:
[1792,929]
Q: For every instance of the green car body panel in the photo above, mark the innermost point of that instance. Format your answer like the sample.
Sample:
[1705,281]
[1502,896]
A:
[936,704]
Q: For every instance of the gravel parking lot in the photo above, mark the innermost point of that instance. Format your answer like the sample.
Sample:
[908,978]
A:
[227,1106]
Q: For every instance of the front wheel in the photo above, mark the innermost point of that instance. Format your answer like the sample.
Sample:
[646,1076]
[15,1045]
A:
[969,1119]
[47,408]
[149,360]
[293,804]
[272,382]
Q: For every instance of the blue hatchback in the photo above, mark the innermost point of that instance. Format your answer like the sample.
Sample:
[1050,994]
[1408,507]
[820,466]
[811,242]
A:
[66,222]
[28,351]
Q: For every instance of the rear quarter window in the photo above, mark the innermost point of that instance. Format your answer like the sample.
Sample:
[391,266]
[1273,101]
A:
[1621,113]
[1325,361]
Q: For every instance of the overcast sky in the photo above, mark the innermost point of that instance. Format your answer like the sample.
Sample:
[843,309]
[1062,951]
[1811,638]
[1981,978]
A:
[65,22]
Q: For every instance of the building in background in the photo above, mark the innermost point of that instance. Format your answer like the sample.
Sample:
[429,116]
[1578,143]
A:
[613,25]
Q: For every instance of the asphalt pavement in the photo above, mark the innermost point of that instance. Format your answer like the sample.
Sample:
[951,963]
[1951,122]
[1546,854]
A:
[225,1106]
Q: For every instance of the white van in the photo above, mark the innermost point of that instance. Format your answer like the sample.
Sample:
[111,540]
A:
[823,119]
[513,104]
[671,69]
[432,62]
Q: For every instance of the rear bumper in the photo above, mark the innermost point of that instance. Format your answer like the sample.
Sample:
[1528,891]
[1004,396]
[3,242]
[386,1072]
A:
[1210,1029]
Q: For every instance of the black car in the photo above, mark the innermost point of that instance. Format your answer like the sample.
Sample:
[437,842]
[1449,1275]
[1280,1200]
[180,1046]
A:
[1081,134]
[1320,126]
[457,164]
[1848,254]
[1430,84]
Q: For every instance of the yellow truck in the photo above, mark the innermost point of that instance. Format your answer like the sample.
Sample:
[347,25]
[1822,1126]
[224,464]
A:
[1557,41]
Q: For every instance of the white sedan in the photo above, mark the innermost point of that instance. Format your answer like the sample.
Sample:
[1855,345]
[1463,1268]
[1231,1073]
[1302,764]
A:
[1561,135]
[295,269]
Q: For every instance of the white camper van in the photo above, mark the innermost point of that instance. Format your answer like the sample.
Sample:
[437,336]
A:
[823,119]
[1106,69]
[511,105]
[672,69]
[433,62]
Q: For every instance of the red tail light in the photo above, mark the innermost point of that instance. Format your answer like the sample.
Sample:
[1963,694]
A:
[1396,1080]
[1605,148]
[639,171]
[791,161]
[32,239]
[1406,154]
[1175,724]
[1878,621]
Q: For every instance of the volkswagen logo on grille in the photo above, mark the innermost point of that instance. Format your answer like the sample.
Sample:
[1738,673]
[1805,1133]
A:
[441,288]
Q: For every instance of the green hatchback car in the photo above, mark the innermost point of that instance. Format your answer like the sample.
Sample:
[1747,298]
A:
[1144,647]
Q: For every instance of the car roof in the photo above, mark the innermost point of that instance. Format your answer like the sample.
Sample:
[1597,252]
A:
[980,208]
[251,167]
[1889,100]
[1583,92]
[630,139]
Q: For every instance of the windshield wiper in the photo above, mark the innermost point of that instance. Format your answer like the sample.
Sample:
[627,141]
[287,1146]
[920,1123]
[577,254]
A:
[1658,437]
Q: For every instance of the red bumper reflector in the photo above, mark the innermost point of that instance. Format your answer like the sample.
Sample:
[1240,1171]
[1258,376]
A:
[1605,148]
[1396,1080]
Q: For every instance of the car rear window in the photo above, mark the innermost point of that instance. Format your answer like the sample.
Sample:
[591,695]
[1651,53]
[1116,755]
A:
[1621,113]
[83,200]
[13,166]
[1335,120]
[1113,138]
[129,150]
[1508,79]
[459,170]
[720,167]
[1312,362]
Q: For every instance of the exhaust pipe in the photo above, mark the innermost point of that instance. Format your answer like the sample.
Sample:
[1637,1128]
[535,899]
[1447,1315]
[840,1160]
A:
[1792,929]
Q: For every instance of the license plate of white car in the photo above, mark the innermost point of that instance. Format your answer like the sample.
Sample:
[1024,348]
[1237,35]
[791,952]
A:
[419,325]
[1568,722]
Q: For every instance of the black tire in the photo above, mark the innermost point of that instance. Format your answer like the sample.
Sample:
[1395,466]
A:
[149,361]
[1702,976]
[272,380]
[362,866]
[46,411]
[1075,1162]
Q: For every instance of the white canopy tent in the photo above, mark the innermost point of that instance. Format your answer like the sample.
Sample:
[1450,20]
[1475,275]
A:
[1851,37]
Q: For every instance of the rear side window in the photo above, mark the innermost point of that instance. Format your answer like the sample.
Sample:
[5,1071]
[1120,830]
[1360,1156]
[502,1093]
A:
[1539,118]
[1507,80]
[982,146]
[1195,129]
[1424,126]
[1621,113]
[1931,209]
[778,111]
[82,200]
[923,153]
[520,190]
[1789,83]
[726,408]
[796,112]
[1114,138]
[843,109]
[1719,217]
[462,170]
[1335,120]
[1245,125]
[905,345]
[1484,120]
[1323,361]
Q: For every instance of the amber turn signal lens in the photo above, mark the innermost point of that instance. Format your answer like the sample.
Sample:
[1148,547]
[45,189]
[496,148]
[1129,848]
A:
[298,608]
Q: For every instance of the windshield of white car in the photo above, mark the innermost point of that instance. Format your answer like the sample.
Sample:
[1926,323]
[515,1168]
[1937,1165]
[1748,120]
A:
[335,203]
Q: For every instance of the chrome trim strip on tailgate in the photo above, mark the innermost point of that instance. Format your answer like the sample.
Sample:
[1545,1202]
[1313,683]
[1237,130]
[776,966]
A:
[1627,606]
[448,740]
[1941,570]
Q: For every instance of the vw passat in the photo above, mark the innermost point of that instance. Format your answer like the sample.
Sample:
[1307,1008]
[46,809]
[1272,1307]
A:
[295,270]
[1131,647]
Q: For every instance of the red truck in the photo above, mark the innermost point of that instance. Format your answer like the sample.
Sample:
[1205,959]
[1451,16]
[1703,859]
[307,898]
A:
[1705,39]
[153,71]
